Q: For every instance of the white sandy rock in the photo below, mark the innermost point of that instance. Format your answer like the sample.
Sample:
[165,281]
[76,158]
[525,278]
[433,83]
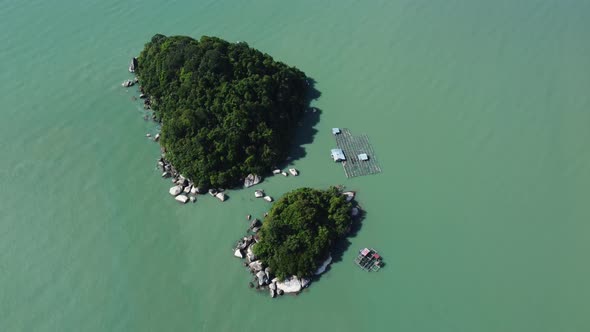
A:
[175,191]
[290,285]
[181,198]
[238,253]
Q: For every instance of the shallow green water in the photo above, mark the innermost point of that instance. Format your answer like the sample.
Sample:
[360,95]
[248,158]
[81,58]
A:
[478,111]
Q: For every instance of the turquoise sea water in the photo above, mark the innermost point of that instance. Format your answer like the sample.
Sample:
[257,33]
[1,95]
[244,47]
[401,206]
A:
[478,112]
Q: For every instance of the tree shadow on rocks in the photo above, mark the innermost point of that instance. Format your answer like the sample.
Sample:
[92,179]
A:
[306,131]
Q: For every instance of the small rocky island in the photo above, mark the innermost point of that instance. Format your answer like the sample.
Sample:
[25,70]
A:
[293,243]
[227,111]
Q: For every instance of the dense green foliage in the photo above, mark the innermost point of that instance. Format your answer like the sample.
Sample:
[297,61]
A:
[226,109]
[301,228]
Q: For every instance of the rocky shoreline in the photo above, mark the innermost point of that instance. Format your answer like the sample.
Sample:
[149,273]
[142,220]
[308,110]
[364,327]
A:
[263,277]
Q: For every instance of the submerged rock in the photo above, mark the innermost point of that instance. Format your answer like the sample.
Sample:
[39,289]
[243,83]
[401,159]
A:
[127,83]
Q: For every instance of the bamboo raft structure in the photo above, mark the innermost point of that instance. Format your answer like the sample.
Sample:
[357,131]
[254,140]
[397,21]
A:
[353,147]
[368,260]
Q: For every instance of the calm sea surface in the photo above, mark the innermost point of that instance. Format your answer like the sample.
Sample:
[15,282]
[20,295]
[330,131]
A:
[479,112]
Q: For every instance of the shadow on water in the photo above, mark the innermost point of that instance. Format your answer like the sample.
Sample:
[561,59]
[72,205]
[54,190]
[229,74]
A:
[342,245]
[306,131]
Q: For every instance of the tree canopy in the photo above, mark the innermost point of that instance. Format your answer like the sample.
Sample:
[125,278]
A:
[300,229]
[226,109]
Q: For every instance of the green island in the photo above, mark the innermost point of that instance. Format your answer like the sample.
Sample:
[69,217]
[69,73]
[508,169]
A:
[226,109]
[300,229]
[296,238]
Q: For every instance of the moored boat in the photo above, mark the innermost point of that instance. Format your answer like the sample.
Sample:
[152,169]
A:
[369,259]
[258,193]
[268,198]
[293,171]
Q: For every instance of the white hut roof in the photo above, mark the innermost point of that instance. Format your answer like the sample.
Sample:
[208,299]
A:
[338,154]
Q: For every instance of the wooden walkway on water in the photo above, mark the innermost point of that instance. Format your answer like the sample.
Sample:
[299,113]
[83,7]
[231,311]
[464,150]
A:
[352,147]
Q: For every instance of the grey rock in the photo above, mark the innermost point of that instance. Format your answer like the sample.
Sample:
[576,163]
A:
[255,223]
[256,266]
[175,191]
[133,65]
[181,199]
[251,180]
[262,279]
[305,282]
